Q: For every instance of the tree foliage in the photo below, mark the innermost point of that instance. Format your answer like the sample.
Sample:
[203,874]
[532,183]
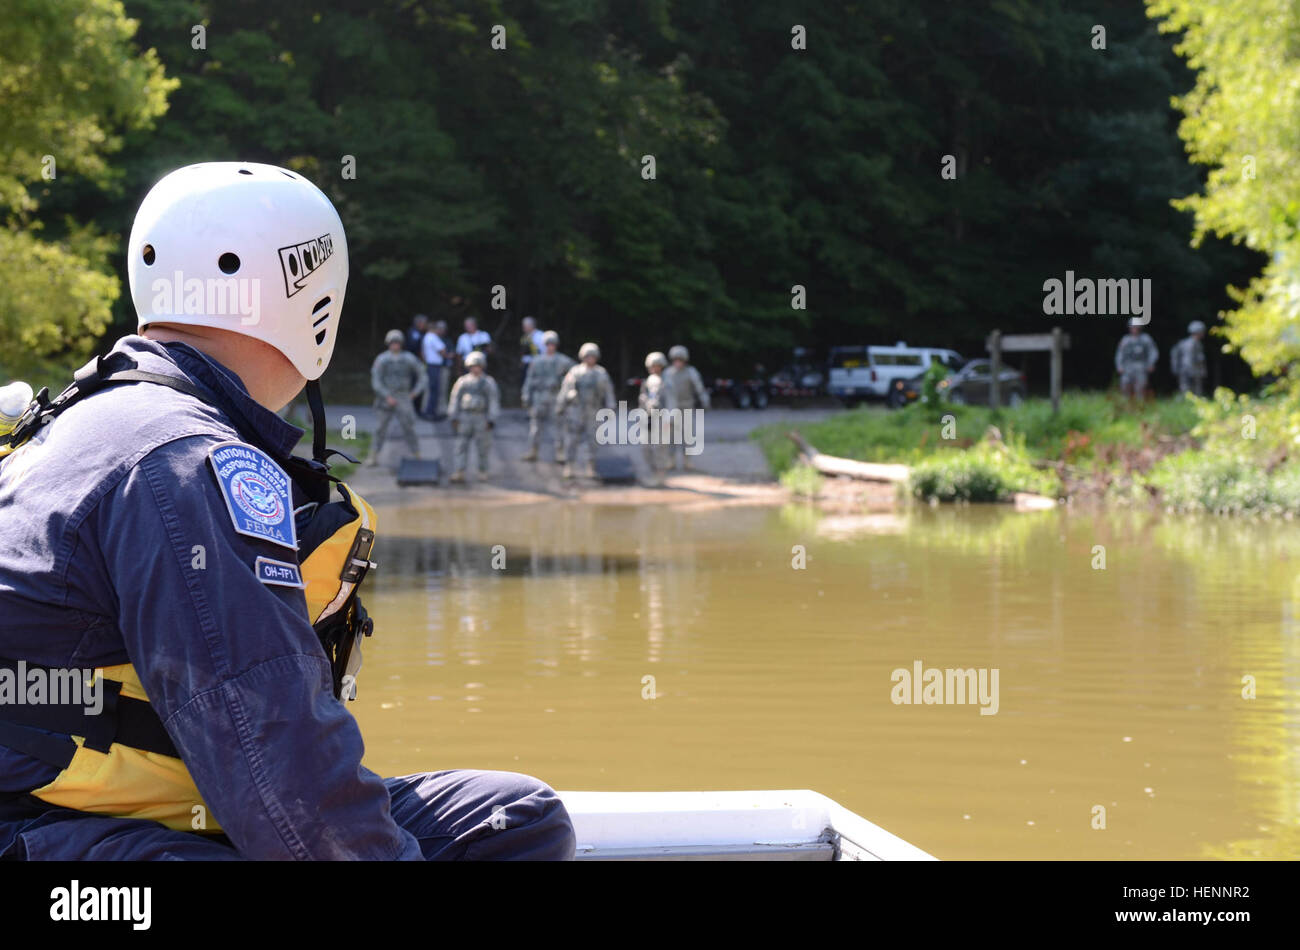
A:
[509,145]
[1240,120]
[70,81]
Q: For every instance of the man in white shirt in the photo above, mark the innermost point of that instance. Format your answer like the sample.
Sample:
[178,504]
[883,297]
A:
[531,342]
[472,339]
[433,349]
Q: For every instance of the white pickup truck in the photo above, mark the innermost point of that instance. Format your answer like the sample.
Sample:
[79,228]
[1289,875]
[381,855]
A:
[867,372]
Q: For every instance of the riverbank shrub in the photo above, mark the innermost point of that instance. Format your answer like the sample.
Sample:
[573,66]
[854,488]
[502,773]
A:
[985,472]
[1247,461]
[915,433]
[1205,480]
[803,480]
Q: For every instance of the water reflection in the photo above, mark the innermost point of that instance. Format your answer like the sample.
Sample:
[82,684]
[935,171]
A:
[1121,682]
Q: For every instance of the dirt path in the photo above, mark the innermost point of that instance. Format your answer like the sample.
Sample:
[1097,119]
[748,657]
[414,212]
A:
[730,468]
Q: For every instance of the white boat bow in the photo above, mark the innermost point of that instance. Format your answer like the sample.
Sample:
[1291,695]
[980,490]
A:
[796,825]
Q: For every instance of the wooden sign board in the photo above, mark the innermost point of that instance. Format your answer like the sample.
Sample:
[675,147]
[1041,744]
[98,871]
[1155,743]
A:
[1056,343]
[1027,342]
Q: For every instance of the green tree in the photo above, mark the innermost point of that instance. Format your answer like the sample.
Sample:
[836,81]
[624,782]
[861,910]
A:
[1240,120]
[70,81]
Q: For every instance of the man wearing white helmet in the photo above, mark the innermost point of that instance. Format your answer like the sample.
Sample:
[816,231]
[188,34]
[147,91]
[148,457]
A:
[473,407]
[541,383]
[655,396]
[1187,360]
[399,379]
[687,392]
[584,391]
[159,538]
[1135,358]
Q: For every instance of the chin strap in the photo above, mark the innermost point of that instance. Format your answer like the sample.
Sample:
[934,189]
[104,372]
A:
[317,405]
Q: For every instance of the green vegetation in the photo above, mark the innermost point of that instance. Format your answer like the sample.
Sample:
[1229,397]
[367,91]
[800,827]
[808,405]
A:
[1087,423]
[802,480]
[457,166]
[1240,121]
[985,472]
[1228,454]
[70,83]
[1244,460]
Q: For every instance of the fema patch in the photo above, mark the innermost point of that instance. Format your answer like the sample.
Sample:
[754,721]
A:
[257,492]
[278,572]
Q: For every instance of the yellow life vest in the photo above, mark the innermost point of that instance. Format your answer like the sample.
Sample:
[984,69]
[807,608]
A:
[129,768]
[128,781]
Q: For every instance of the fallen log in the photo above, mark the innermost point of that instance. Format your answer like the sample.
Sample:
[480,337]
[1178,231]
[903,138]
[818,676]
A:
[891,472]
[849,468]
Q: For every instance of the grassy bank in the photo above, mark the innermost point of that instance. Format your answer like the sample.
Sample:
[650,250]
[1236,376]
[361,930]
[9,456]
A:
[1225,454]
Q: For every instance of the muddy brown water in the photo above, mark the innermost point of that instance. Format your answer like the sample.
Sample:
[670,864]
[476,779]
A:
[1119,688]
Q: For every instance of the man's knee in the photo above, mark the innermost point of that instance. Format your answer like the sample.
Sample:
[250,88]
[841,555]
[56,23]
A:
[527,820]
[484,815]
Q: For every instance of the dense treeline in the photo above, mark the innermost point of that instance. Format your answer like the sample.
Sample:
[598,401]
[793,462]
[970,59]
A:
[774,166]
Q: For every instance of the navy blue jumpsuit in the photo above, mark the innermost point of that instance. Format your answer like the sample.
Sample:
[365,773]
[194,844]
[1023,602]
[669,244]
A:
[99,519]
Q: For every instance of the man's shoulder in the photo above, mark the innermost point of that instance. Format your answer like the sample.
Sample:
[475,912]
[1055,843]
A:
[96,443]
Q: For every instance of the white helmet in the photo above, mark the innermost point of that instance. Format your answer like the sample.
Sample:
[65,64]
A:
[250,248]
[550,336]
[655,359]
[1196,326]
[679,353]
[588,349]
[476,358]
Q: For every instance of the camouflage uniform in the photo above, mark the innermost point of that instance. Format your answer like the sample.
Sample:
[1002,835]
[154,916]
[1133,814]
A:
[474,402]
[1188,363]
[1134,359]
[583,392]
[685,392]
[541,384]
[400,375]
[653,398]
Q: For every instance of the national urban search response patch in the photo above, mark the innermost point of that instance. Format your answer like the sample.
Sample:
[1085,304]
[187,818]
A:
[257,492]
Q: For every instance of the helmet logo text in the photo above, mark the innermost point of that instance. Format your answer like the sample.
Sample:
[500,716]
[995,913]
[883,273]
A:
[299,261]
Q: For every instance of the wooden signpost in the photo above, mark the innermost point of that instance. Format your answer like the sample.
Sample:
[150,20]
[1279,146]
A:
[1055,342]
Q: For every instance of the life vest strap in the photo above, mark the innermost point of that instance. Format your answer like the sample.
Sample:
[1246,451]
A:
[122,720]
[56,751]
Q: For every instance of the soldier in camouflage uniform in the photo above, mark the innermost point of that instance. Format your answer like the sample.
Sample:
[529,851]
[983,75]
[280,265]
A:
[1188,360]
[541,384]
[1135,358]
[473,407]
[398,378]
[585,390]
[685,392]
[653,398]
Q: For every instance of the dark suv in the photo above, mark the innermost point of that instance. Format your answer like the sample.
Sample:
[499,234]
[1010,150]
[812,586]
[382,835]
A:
[970,385]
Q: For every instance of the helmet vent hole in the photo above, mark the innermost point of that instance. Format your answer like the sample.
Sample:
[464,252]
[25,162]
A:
[320,305]
[147,253]
[320,337]
[228,262]
[245,171]
[287,175]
